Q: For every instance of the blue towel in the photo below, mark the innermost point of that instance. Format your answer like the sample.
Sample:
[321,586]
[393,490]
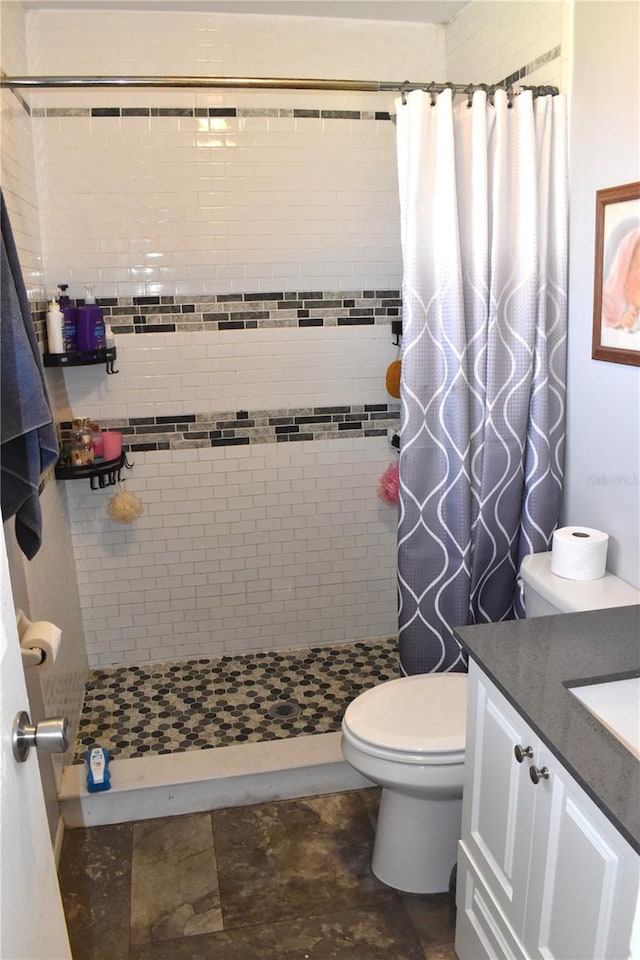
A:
[28,442]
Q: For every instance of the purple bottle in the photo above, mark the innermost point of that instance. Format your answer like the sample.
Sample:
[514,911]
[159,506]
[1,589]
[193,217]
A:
[70,314]
[91,331]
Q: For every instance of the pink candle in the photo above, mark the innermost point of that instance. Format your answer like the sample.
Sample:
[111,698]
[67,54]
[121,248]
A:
[97,443]
[111,444]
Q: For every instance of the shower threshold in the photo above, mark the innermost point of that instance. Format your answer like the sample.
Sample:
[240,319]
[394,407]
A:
[166,785]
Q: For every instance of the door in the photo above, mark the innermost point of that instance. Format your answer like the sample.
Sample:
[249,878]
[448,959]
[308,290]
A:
[32,925]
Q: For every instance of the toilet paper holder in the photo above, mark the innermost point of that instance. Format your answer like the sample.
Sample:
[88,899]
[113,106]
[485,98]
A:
[32,656]
[39,641]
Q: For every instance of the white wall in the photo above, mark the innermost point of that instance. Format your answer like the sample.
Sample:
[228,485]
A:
[603,426]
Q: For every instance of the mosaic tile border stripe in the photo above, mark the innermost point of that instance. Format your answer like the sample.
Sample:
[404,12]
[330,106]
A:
[239,311]
[529,68]
[38,311]
[205,112]
[250,311]
[244,427]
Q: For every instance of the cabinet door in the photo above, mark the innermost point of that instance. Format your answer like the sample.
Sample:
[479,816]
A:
[498,797]
[583,885]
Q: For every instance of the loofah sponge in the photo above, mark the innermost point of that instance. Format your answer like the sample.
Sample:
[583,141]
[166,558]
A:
[393,378]
[389,485]
[124,507]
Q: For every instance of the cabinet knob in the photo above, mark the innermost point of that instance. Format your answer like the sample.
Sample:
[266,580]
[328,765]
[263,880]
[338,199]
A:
[538,774]
[521,752]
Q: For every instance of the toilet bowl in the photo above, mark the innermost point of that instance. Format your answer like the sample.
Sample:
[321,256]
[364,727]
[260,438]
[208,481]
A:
[407,736]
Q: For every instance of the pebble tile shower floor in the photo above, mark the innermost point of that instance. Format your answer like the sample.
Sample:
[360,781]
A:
[200,704]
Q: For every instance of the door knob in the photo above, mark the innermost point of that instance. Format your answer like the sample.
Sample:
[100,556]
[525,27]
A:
[522,752]
[50,735]
[538,773]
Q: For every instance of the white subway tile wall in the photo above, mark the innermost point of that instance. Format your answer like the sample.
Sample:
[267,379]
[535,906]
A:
[276,368]
[239,549]
[200,205]
[193,44]
[16,159]
[271,544]
[188,205]
[491,40]
[192,193]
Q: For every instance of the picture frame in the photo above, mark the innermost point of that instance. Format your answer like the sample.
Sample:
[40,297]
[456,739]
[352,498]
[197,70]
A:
[616,300]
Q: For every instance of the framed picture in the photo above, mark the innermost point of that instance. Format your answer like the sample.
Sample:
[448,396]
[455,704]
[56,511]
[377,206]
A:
[616,301]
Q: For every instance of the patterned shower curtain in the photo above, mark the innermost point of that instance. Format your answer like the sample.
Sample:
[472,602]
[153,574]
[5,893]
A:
[483,197]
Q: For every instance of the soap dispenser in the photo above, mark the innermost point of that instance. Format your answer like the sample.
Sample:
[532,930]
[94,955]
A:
[55,328]
[70,314]
[91,330]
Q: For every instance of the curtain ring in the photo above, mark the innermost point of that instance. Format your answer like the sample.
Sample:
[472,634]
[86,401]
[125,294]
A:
[469,92]
[509,97]
[403,92]
[432,90]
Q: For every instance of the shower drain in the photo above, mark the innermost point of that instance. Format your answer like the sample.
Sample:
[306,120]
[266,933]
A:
[284,711]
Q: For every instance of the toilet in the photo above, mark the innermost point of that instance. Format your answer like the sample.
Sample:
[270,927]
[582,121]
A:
[408,736]
[546,594]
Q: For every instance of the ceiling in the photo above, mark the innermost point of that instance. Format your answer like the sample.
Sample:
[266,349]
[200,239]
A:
[415,11]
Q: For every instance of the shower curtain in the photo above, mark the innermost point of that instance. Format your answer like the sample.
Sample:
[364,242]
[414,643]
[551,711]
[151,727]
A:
[483,198]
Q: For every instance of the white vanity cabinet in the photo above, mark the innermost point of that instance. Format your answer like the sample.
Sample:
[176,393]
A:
[542,872]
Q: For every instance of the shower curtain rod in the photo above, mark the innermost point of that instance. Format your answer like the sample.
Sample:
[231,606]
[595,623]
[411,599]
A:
[265,83]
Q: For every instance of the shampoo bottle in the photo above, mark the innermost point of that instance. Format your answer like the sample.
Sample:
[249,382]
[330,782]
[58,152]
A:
[70,314]
[91,331]
[55,328]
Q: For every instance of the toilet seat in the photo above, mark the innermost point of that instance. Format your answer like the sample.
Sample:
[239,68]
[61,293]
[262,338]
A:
[417,719]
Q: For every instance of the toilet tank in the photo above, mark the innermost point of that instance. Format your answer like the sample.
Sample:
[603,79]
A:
[545,593]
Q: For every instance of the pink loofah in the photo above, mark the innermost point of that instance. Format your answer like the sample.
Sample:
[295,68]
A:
[389,485]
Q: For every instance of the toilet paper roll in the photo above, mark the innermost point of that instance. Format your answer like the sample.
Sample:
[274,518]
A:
[22,623]
[579,553]
[44,636]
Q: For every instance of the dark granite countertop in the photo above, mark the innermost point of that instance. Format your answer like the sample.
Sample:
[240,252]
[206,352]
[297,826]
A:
[533,661]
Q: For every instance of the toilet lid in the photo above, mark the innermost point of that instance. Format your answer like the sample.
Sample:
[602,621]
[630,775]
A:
[426,713]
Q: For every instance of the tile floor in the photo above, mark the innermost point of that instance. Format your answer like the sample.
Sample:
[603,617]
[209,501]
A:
[285,880]
[196,705]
